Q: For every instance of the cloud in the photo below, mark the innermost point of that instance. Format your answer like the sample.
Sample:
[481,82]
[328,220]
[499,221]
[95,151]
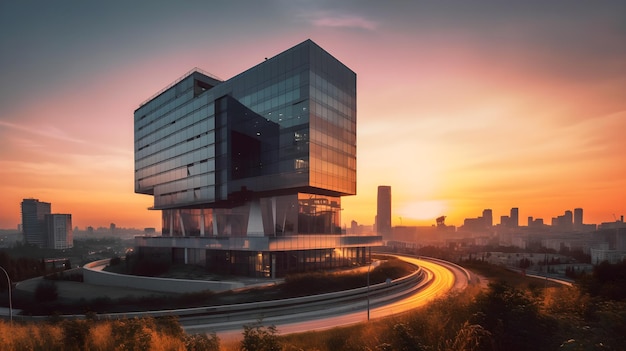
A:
[58,134]
[326,19]
[49,131]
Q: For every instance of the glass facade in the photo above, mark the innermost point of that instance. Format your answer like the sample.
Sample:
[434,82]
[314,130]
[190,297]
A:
[262,256]
[33,221]
[59,231]
[268,152]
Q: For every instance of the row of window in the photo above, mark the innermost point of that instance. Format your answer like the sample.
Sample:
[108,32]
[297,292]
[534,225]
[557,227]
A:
[322,86]
[167,96]
[340,185]
[187,138]
[336,177]
[202,194]
[326,113]
[191,170]
[176,103]
[143,170]
[280,88]
[171,121]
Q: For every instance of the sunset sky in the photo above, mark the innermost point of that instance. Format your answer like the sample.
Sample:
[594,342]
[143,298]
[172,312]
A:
[462,105]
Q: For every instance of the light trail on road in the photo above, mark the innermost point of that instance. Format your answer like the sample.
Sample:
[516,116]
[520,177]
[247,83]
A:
[442,281]
[443,278]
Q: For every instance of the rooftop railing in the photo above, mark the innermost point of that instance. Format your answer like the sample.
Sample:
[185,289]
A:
[190,72]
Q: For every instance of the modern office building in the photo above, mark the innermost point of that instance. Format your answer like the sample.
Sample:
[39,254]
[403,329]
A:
[578,218]
[59,231]
[33,221]
[481,224]
[44,229]
[514,218]
[249,172]
[488,218]
[383,211]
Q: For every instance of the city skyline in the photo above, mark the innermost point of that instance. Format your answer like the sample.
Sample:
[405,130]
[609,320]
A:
[461,107]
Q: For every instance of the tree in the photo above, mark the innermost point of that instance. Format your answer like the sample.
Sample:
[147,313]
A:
[202,342]
[403,339]
[133,334]
[256,337]
[513,319]
[472,337]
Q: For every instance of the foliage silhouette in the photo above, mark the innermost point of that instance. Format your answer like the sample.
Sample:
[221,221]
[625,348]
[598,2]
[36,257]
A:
[257,337]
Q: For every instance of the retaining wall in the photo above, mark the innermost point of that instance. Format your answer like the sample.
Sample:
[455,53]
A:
[92,275]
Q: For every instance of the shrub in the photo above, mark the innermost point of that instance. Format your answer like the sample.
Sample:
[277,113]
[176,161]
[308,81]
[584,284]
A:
[169,325]
[202,342]
[75,334]
[132,334]
[513,317]
[256,337]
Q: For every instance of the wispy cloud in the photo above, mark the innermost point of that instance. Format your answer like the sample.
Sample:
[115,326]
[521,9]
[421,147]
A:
[327,19]
[45,131]
[55,133]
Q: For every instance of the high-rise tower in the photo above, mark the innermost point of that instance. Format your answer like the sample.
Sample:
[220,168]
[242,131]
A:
[249,172]
[33,221]
[383,211]
[514,218]
[488,217]
[578,218]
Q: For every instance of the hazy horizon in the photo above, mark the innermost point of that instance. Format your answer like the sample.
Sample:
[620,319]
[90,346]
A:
[461,106]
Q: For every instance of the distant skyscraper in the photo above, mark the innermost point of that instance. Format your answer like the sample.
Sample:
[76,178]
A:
[59,231]
[383,210]
[514,218]
[568,219]
[33,221]
[41,228]
[505,221]
[488,218]
[578,218]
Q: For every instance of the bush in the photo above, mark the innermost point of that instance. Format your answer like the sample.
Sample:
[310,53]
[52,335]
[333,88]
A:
[256,337]
[608,281]
[202,342]
[133,334]
[75,334]
[170,326]
[513,318]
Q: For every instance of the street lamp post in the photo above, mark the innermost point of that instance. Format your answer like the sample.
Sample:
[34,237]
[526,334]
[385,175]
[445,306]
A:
[374,264]
[10,301]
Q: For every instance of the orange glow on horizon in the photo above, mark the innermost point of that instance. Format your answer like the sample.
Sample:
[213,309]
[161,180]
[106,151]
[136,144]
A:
[456,112]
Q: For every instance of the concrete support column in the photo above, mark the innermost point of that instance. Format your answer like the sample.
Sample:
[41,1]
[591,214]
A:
[182,225]
[202,222]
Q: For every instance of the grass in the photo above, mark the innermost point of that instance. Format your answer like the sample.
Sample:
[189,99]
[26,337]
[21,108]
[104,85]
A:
[473,319]
[499,273]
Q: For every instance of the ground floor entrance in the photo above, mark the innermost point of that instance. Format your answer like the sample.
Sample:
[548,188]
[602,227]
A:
[262,264]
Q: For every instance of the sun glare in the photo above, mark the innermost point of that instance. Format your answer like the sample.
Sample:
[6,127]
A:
[423,210]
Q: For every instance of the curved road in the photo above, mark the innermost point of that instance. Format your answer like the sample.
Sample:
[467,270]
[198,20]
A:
[444,277]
